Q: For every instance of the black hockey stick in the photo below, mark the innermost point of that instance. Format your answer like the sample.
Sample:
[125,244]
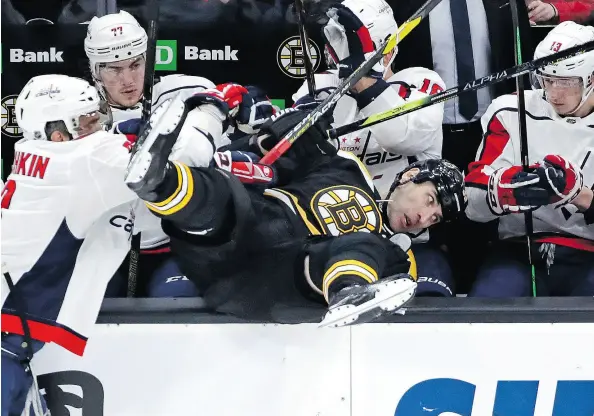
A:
[309,71]
[523,132]
[389,44]
[149,80]
[491,79]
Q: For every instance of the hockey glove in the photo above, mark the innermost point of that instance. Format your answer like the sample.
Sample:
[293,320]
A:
[313,143]
[129,128]
[233,95]
[348,41]
[245,166]
[307,103]
[254,109]
[511,190]
[561,179]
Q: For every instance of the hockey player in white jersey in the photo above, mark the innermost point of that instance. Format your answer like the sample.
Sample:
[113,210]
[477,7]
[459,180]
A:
[557,188]
[356,28]
[67,219]
[116,47]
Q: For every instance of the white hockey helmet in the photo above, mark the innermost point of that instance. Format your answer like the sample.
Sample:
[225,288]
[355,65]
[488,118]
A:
[578,69]
[378,17]
[48,98]
[112,38]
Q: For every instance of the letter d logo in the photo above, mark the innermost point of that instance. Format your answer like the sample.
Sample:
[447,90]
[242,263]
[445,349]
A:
[166,56]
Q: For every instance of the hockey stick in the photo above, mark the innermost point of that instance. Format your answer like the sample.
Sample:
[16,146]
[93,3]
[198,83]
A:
[149,80]
[309,72]
[285,143]
[491,79]
[523,132]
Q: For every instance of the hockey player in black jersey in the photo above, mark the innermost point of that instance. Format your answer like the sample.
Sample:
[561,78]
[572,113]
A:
[310,226]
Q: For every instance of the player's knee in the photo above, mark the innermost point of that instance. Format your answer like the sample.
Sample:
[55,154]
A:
[502,276]
[435,274]
[168,281]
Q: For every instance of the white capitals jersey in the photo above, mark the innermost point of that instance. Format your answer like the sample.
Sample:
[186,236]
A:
[167,87]
[388,147]
[67,219]
[548,134]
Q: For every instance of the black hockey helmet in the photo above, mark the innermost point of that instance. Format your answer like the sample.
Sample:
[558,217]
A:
[448,181]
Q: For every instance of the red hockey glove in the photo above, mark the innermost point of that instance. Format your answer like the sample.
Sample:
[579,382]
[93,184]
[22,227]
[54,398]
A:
[245,166]
[562,180]
[232,94]
[511,190]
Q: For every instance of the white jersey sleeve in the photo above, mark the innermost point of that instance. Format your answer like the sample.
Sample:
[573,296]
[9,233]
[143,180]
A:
[548,134]
[200,136]
[98,176]
[495,152]
[190,149]
[412,133]
[169,85]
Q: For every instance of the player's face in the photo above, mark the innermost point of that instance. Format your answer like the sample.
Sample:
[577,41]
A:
[563,93]
[88,124]
[123,81]
[414,207]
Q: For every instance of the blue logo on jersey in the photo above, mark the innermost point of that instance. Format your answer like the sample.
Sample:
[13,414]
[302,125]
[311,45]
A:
[517,398]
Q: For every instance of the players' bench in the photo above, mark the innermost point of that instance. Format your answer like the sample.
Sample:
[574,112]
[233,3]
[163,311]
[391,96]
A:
[421,310]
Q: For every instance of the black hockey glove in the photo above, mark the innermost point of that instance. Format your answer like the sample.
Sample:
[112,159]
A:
[312,144]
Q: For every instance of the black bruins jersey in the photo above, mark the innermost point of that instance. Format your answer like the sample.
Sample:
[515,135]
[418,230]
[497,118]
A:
[336,198]
[244,247]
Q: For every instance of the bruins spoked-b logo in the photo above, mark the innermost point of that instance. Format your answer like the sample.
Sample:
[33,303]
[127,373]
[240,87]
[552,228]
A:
[9,123]
[290,57]
[344,209]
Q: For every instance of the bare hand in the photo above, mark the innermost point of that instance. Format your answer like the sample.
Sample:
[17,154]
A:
[539,11]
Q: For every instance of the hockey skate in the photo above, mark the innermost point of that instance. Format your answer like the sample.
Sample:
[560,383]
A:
[365,303]
[150,154]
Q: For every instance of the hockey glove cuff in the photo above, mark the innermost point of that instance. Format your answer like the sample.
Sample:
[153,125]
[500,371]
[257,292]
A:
[562,180]
[245,166]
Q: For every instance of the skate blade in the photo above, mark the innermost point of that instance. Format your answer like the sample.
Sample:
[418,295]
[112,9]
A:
[137,169]
[389,297]
[160,126]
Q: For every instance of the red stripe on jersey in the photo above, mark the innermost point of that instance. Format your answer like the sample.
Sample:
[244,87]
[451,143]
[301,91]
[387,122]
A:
[156,250]
[365,38]
[44,332]
[494,142]
[572,242]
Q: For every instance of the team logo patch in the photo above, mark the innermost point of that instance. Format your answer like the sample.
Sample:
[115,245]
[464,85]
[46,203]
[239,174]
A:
[9,123]
[290,57]
[345,209]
